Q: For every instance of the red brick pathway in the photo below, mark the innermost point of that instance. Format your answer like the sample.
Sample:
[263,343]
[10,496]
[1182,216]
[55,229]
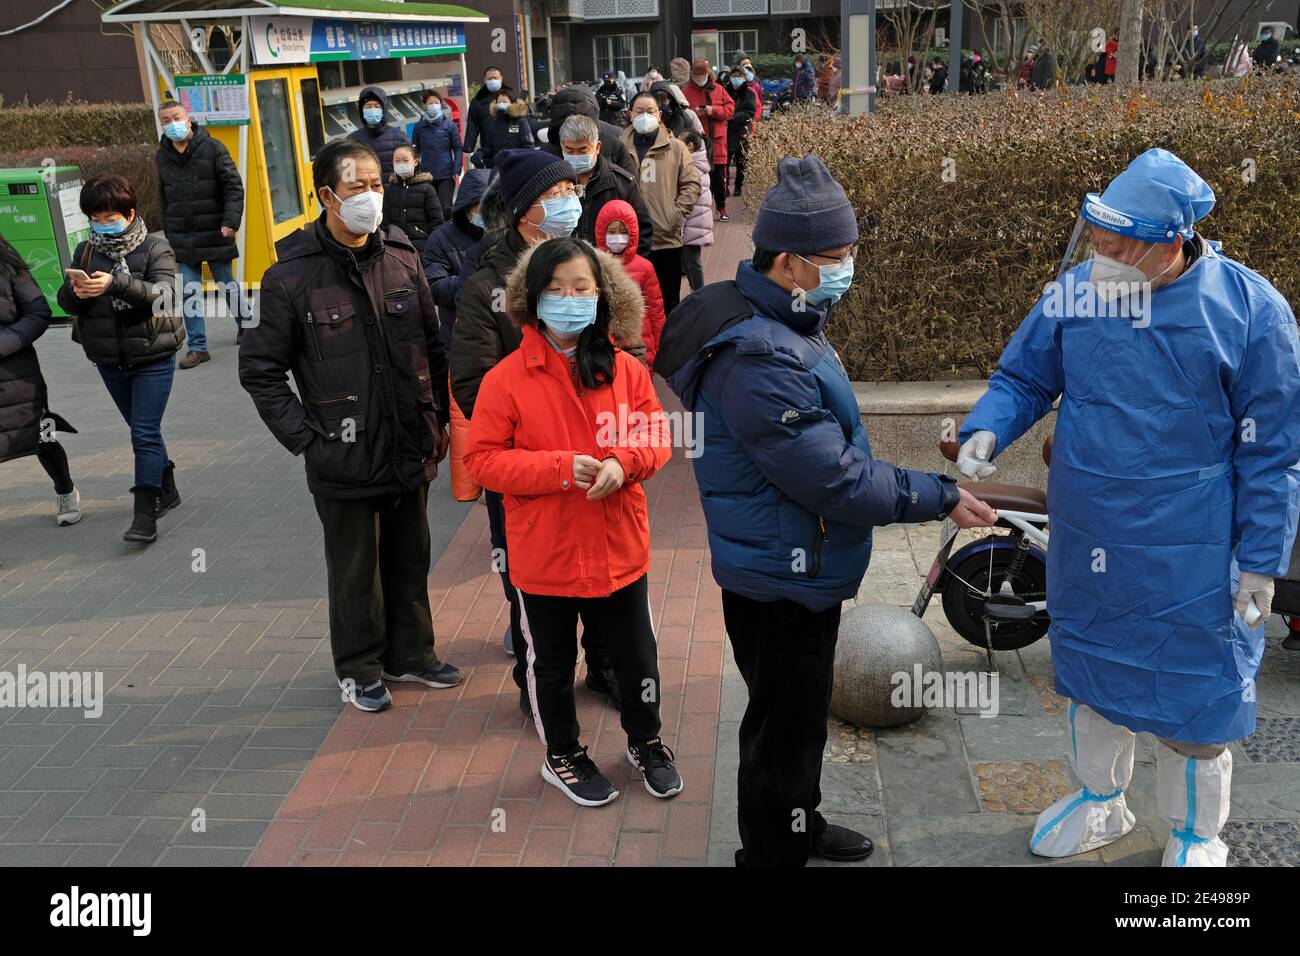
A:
[452,777]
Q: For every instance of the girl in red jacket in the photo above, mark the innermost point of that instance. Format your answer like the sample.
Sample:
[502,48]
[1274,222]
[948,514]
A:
[617,232]
[567,427]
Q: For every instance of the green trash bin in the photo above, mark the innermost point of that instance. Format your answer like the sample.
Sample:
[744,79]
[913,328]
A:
[41,217]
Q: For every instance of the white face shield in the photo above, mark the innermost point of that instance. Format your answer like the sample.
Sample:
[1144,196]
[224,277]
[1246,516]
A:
[1114,260]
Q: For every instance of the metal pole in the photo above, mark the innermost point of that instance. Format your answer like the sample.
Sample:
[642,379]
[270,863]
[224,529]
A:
[956,33]
[857,55]
[142,31]
[242,160]
[464,114]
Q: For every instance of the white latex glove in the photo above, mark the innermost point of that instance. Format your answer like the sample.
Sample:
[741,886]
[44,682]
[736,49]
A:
[1254,595]
[973,458]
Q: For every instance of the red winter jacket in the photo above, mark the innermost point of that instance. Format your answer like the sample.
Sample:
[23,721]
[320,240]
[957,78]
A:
[530,420]
[715,126]
[638,267]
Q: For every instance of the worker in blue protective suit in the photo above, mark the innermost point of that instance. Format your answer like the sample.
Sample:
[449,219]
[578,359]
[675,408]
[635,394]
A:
[1173,498]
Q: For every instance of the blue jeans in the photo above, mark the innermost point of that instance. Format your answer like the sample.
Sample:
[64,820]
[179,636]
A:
[141,394]
[196,332]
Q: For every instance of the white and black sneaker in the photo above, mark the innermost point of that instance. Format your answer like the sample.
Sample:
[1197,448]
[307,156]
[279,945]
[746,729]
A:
[577,778]
[67,508]
[655,761]
[372,697]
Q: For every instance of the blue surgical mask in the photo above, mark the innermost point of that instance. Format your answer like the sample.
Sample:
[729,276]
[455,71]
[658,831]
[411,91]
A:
[434,110]
[749,74]
[177,131]
[567,314]
[373,115]
[114,228]
[736,81]
[581,162]
[502,107]
[562,215]
[477,219]
[834,282]
[493,85]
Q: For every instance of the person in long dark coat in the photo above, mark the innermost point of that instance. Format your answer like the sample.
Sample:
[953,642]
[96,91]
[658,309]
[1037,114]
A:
[27,426]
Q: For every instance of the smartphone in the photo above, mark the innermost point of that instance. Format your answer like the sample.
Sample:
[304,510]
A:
[76,275]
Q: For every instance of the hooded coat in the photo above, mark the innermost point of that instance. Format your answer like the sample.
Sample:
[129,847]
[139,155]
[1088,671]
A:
[789,470]
[715,124]
[445,251]
[201,192]
[638,268]
[610,181]
[384,138]
[507,129]
[581,100]
[532,418]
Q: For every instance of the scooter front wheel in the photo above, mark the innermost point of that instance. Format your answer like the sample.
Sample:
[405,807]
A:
[967,579]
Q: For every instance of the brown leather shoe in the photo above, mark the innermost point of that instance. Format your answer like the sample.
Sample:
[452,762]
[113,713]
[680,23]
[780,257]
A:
[195,358]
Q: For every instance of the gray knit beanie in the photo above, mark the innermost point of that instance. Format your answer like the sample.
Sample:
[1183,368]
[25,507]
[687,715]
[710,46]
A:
[806,211]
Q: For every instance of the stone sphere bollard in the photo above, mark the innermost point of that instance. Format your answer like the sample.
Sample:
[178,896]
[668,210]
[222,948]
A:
[876,642]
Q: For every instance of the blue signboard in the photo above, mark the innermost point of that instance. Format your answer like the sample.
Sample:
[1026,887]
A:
[380,40]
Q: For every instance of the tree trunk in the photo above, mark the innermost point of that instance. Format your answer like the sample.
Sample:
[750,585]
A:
[1130,42]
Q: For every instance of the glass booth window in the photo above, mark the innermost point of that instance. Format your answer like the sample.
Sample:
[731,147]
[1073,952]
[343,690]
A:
[311,112]
[732,43]
[277,144]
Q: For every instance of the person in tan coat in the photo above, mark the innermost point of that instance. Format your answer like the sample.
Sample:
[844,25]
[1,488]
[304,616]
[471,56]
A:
[669,184]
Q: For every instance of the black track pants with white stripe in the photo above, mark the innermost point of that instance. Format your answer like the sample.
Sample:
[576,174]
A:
[550,626]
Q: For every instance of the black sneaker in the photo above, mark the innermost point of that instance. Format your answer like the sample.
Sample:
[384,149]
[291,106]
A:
[655,761]
[372,697]
[578,779]
[443,676]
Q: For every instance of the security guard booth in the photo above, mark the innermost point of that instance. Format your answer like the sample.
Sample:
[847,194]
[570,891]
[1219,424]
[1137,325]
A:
[40,215]
[249,76]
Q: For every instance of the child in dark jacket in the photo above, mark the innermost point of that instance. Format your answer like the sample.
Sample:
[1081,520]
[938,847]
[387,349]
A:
[445,252]
[410,199]
[509,128]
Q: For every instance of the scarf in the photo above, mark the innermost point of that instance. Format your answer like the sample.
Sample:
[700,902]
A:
[117,248]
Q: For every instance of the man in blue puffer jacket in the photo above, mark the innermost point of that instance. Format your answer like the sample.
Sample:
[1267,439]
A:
[790,493]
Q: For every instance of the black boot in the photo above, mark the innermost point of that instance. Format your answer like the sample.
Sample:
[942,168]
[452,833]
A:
[144,527]
[170,497]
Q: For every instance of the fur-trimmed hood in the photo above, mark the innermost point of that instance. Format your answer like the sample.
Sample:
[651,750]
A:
[626,304]
[417,178]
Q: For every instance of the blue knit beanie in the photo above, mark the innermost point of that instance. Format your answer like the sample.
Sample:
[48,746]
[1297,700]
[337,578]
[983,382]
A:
[806,211]
[525,175]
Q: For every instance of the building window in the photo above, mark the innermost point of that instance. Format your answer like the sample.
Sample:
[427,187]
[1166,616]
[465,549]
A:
[1009,46]
[629,52]
[731,43]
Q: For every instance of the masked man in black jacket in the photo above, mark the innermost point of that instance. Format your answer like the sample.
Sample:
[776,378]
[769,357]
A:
[348,311]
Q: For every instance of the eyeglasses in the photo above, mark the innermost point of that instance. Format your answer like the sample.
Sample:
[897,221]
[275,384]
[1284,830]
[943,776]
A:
[829,260]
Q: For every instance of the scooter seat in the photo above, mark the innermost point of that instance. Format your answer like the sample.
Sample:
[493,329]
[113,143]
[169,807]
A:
[1007,497]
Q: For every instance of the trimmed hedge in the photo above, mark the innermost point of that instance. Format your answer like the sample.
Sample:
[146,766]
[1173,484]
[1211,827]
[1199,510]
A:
[947,269]
[71,123]
[135,163]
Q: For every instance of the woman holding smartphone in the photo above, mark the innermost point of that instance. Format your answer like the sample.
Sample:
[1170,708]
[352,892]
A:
[567,427]
[122,297]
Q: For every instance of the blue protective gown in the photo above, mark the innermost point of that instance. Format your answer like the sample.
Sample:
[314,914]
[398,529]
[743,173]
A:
[1176,451]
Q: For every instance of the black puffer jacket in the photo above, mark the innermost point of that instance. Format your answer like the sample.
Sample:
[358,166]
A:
[413,207]
[580,99]
[357,329]
[201,192]
[24,317]
[151,329]
[484,334]
[446,248]
[480,116]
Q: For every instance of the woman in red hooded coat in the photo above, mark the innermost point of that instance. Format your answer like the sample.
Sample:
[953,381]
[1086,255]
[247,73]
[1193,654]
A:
[626,233]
